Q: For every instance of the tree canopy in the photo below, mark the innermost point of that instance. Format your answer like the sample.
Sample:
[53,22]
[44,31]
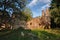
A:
[16,8]
[12,5]
[55,12]
[28,14]
[8,7]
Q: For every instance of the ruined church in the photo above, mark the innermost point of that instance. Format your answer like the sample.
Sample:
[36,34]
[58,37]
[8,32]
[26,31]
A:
[41,22]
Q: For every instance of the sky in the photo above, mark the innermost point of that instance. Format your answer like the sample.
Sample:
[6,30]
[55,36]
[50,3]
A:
[37,6]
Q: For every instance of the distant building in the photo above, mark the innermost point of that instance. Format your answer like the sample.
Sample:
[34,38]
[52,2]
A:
[40,22]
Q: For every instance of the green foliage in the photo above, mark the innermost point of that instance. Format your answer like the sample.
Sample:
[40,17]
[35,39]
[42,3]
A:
[30,35]
[10,7]
[15,5]
[55,11]
[55,3]
[27,12]
[4,16]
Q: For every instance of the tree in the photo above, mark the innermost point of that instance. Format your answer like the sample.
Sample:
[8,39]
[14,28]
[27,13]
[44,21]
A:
[55,12]
[28,13]
[10,7]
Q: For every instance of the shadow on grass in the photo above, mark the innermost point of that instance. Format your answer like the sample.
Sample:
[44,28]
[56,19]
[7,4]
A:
[22,34]
[18,34]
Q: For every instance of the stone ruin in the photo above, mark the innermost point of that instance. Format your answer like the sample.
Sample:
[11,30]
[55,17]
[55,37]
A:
[42,22]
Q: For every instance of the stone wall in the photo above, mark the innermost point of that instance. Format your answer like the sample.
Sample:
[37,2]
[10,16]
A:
[40,22]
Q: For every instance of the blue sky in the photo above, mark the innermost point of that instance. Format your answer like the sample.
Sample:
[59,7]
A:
[37,6]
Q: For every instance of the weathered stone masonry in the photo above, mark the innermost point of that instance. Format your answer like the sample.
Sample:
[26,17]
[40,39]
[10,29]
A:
[40,22]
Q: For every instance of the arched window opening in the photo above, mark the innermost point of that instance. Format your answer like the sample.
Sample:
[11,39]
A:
[30,23]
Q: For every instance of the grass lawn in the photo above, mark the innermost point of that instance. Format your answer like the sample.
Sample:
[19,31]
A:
[21,34]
